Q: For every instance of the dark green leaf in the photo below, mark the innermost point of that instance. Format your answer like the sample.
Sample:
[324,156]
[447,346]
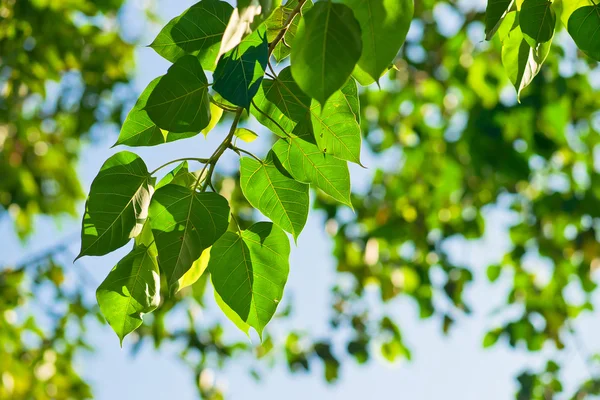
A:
[184,223]
[249,271]
[495,13]
[240,71]
[584,28]
[198,31]
[229,313]
[117,205]
[537,20]
[327,47]
[384,25]
[270,190]
[179,102]
[131,289]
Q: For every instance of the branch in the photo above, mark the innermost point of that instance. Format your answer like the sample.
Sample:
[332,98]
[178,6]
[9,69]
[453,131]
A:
[286,26]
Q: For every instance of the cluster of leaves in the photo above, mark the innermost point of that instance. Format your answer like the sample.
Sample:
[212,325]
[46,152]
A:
[181,225]
[41,123]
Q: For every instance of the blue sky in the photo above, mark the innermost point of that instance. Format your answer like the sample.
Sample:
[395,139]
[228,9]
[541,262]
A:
[453,367]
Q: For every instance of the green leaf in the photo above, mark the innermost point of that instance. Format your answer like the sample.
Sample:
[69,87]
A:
[240,71]
[198,31]
[216,113]
[384,25]
[239,25]
[521,61]
[363,78]
[289,112]
[537,20]
[278,196]
[304,161]
[117,205]
[195,272]
[179,176]
[179,102]
[583,26]
[327,47]
[249,271]
[495,13]
[246,135]
[231,315]
[276,23]
[131,289]
[185,223]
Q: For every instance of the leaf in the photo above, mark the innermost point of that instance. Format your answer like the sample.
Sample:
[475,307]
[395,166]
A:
[216,113]
[246,135]
[179,176]
[522,63]
[289,112]
[249,271]
[363,78]
[231,315]
[195,272]
[240,71]
[131,289]
[336,126]
[306,163]
[139,130]
[384,25]
[537,20]
[238,26]
[185,223]
[327,47]
[179,102]
[197,31]
[275,194]
[117,205]
[583,26]
[495,13]
[276,23]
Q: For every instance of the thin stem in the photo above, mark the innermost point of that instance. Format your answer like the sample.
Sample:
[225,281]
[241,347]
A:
[200,160]
[223,106]
[271,68]
[286,26]
[271,119]
[240,150]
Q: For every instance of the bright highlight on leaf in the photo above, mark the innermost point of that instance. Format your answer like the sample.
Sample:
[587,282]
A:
[249,270]
[246,135]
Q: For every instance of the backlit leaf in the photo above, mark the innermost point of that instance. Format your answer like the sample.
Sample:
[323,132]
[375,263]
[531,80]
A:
[495,13]
[198,31]
[384,25]
[327,47]
[131,289]
[195,272]
[239,72]
[216,113]
[117,205]
[239,25]
[179,102]
[249,271]
[179,176]
[271,191]
[246,135]
[231,315]
[185,223]
[277,21]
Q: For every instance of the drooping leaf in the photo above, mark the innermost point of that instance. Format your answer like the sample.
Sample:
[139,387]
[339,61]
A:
[249,271]
[384,25]
[327,47]
[179,102]
[495,13]
[231,315]
[584,28]
[197,31]
[139,130]
[216,113]
[179,176]
[537,20]
[239,72]
[521,61]
[363,78]
[271,191]
[131,289]
[276,23]
[246,135]
[185,223]
[117,205]
[239,25]
[304,161]
[195,272]
[289,112]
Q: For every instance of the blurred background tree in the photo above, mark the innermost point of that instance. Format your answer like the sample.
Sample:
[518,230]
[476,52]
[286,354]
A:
[451,139]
